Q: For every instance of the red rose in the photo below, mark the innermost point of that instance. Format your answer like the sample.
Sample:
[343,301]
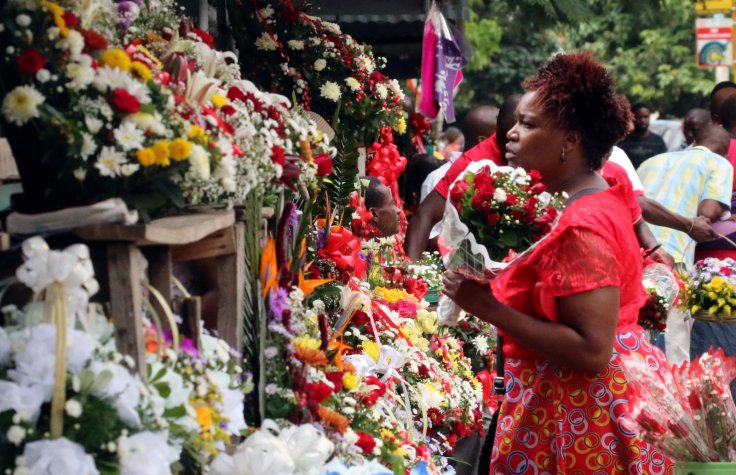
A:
[417,287]
[365,442]
[125,102]
[360,319]
[511,199]
[493,218]
[456,194]
[318,391]
[324,164]
[204,36]
[370,398]
[70,19]
[535,176]
[93,41]
[30,61]
[278,155]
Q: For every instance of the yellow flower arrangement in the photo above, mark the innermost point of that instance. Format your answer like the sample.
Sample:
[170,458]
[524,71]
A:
[140,71]
[196,132]
[707,291]
[161,150]
[400,125]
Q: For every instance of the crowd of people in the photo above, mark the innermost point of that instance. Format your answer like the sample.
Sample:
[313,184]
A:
[567,311]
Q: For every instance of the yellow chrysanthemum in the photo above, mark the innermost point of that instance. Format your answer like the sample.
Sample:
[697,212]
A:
[371,349]
[218,100]
[116,58]
[428,320]
[161,149]
[694,309]
[180,149]
[196,132]
[400,125]
[140,71]
[146,157]
[307,342]
[350,381]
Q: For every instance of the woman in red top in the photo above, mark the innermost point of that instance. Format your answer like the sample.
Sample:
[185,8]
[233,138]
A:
[568,309]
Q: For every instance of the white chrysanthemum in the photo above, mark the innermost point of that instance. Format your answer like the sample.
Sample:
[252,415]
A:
[296,44]
[481,344]
[333,28]
[73,408]
[110,78]
[199,162]
[72,42]
[21,104]
[382,91]
[365,63]
[93,124]
[80,75]
[396,88]
[145,121]
[330,90]
[88,146]
[320,64]
[266,43]
[110,161]
[128,136]
[353,83]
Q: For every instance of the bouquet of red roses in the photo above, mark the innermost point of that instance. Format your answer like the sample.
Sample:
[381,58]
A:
[662,288]
[492,215]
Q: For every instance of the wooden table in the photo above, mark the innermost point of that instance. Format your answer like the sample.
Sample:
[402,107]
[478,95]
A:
[161,242]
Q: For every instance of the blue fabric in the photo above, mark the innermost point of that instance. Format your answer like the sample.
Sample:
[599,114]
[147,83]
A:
[718,335]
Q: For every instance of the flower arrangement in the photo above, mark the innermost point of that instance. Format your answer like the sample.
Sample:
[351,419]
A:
[284,46]
[710,289]
[506,210]
[492,214]
[688,413]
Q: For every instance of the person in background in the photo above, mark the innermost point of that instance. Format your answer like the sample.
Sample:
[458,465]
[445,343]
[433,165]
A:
[692,182]
[694,120]
[454,142]
[479,124]
[431,209]
[414,176]
[379,201]
[641,143]
[568,309]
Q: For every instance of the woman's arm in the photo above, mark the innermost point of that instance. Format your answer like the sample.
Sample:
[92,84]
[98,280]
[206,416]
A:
[582,340]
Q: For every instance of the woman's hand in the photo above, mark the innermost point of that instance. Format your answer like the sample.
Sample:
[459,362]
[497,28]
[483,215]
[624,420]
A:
[472,296]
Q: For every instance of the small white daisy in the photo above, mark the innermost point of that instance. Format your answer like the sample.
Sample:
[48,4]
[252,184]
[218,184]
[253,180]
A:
[21,104]
[110,161]
[128,136]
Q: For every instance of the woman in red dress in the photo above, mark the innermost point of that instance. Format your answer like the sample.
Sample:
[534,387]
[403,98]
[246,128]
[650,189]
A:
[568,309]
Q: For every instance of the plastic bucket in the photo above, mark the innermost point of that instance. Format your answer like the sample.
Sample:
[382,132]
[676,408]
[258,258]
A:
[710,468]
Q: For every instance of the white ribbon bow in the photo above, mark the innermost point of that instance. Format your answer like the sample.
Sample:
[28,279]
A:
[72,268]
[389,361]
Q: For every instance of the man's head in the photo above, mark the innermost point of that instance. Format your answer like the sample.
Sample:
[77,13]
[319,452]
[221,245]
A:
[479,124]
[714,138]
[641,117]
[380,202]
[727,114]
[506,121]
[454,135]
[718,96]
[694,120]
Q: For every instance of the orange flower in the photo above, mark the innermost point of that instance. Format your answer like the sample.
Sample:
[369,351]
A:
[310,356]
[333,419]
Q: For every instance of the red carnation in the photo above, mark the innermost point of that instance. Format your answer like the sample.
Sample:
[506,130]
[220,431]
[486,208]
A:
[324,164]
[204,36]
[360,319]
[511,199]
[493,218]
[125,102]
[318,391]
[30,61]
[365,442]
[93,41]
[370,398]
[278,155]
[435,416]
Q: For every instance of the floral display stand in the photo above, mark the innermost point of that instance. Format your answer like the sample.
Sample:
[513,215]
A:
[699,468]
[161,242]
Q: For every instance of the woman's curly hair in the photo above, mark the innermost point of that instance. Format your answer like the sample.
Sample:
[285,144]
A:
[577,92]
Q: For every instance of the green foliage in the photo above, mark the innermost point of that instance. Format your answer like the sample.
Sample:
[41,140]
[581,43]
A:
[651,53]
[345,169]
[485,36]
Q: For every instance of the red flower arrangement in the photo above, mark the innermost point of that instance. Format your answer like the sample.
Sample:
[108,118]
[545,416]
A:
[506,210]
[343,248]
